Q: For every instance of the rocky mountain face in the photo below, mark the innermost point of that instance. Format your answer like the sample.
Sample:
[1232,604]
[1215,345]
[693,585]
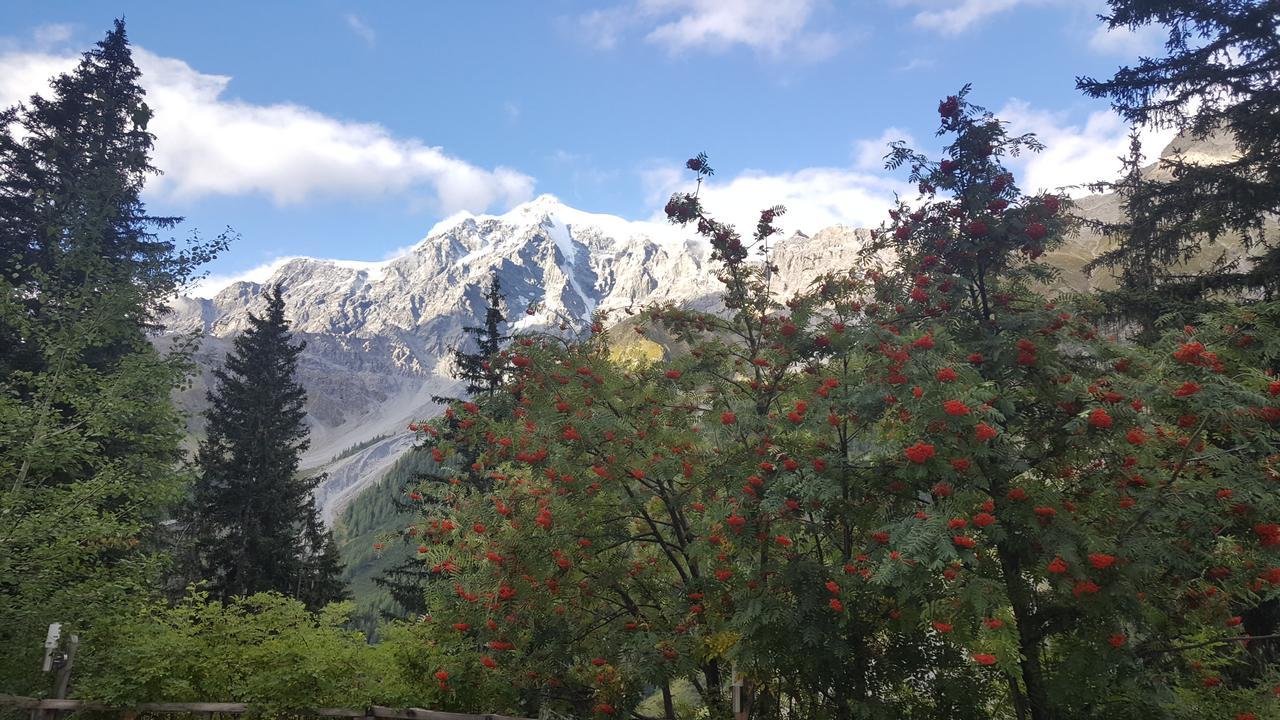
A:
[380,335]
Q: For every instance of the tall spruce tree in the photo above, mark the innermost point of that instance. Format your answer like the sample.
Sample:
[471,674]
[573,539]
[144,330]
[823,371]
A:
[1220,75]
[1136,260]
[89,439]
[255,521]
[482,369]
[479,369]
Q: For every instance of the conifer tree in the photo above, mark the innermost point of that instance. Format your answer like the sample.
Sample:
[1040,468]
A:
[320,581]
[404,582]
[1136,260]
[1221,75]
[477,368]
[89,440]
[255,520]
[70,211]
[482,371]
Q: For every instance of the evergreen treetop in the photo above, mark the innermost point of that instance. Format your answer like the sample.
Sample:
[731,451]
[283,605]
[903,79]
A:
[478,368]
[71,217]
[1220,75]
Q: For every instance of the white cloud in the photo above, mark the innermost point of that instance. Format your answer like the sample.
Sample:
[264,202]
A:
[208,144]
[815,198]
[952,17]
[955,16]
[361,29]
[869,154]
[775,28]
[918,63]
[601,29]
[210,285]
[22,74]
[51,35]
[1147,40]
[1075,154]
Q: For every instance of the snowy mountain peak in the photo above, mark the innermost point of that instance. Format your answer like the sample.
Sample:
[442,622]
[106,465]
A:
[544,205]
[532,212]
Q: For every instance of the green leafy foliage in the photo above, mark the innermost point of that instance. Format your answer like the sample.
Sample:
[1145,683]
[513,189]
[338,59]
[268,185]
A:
[266,650]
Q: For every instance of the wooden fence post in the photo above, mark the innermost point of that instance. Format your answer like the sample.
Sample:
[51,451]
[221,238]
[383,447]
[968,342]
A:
[63,677]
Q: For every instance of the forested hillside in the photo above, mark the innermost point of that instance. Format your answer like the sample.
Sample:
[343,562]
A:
[368,533]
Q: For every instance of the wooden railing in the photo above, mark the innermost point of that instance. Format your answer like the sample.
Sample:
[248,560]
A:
[52,708]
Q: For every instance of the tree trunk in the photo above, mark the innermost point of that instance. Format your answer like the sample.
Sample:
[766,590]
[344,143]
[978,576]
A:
[717,709]
[1028,634]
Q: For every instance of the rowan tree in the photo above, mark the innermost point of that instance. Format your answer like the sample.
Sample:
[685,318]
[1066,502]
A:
[1100,505]
[920,490]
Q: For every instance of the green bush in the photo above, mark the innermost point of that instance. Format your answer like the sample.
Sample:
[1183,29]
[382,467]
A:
[266,650]
[270,652]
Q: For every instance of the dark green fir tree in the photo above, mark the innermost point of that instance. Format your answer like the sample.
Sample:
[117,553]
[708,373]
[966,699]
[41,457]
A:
[71,217]
[1136,261]
[482,369]
[255,523]
[320,581]
[1219,78]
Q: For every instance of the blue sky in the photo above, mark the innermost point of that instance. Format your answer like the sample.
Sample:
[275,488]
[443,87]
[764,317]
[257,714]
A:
[347,130]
